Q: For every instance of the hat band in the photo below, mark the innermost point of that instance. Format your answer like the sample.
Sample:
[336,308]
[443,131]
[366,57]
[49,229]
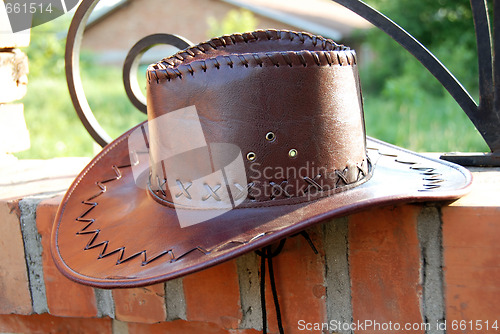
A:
[188,194]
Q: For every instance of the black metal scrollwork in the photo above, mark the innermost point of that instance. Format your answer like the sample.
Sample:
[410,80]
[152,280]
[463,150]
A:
[72,59]
[132,63]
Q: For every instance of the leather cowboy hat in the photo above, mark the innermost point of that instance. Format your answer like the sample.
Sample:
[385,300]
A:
[251,138]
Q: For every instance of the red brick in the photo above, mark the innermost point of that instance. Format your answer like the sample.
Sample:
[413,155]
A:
[143,305]
[15,295]
[64,297]
[46,323]
[384,258]
[299,275]
[178,327]
[472,265]
[213,295]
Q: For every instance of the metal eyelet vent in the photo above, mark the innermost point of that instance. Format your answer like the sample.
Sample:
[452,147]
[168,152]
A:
[251,156]
[293,153]
[270,136]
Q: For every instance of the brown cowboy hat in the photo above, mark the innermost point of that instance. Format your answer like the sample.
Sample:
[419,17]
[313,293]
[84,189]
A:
[251,138]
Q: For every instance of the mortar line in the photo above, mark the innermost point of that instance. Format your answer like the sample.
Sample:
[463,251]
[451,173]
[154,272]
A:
[441,267]
[33,253]
[429,232]
[337,276]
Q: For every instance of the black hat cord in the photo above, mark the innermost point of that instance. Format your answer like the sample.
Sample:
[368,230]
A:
[267,253]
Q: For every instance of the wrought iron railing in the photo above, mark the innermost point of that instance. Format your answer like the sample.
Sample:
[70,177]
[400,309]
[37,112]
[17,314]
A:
[485,116]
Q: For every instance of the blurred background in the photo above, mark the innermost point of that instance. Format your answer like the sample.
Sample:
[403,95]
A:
[403,103]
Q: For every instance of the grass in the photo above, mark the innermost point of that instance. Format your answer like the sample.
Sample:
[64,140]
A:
[56,130]
[424,123]
[54,127]
[432,124]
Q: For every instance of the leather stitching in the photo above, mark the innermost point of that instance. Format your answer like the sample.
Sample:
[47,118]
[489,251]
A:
[120,251]
[279,192]
[304,57]
[173,67]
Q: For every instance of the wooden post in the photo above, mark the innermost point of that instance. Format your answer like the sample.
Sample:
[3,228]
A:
[14,136]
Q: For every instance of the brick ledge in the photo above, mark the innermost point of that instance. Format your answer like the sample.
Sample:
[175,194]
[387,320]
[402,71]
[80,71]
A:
[408,263]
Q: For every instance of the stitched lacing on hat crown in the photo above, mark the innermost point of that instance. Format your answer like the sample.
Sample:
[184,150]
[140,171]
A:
[309,190]
[176,67]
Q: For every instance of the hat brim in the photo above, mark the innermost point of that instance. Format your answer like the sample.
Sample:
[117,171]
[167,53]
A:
[109,233]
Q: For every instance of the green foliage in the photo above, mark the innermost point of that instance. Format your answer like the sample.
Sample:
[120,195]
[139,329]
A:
[46,49]
[401,93]
[445,27]
[55,129]
[235,21]
[432,22]
[108,100]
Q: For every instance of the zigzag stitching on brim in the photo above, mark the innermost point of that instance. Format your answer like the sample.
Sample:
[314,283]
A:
[121,250]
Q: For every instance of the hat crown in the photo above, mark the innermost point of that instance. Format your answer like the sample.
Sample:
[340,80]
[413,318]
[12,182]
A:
[288,103]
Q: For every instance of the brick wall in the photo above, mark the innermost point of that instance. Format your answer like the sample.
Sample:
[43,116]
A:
[408,264]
